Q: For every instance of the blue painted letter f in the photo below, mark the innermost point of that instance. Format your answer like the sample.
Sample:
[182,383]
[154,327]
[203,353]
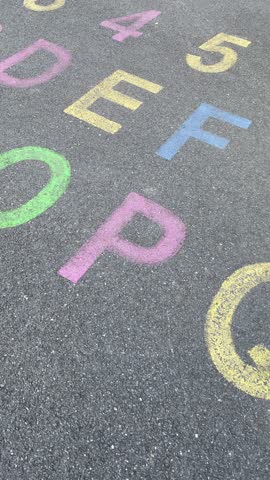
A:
[192,128]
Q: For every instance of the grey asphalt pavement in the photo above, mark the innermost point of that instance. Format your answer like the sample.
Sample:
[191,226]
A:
[111,378]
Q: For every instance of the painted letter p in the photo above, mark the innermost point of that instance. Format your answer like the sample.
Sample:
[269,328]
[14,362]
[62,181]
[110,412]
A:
[108,237]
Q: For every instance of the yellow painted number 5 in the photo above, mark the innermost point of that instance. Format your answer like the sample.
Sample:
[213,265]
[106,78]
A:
[214,45]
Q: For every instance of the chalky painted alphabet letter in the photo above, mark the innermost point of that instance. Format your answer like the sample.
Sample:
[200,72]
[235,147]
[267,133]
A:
[108,237]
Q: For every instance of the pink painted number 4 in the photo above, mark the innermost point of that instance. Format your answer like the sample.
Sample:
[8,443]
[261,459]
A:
[132,30]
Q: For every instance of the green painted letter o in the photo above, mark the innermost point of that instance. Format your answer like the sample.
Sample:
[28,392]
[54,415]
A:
[60,176]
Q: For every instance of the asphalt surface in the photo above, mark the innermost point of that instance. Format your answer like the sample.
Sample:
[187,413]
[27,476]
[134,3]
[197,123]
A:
[111,378]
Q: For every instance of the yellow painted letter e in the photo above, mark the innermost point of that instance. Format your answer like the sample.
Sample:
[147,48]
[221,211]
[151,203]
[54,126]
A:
[80,109]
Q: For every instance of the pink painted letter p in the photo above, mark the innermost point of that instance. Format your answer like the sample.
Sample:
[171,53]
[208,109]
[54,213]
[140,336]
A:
[62,55]
[108,237]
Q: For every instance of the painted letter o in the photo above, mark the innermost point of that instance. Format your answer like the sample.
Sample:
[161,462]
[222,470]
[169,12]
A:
[53,190]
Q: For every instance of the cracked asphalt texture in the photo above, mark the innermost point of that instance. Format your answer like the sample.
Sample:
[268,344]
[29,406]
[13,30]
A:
[111,378]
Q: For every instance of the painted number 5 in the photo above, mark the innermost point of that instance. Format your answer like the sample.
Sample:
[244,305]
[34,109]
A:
[214,45]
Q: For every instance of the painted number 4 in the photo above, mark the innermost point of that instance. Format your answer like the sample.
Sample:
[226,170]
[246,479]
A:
[131,30]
